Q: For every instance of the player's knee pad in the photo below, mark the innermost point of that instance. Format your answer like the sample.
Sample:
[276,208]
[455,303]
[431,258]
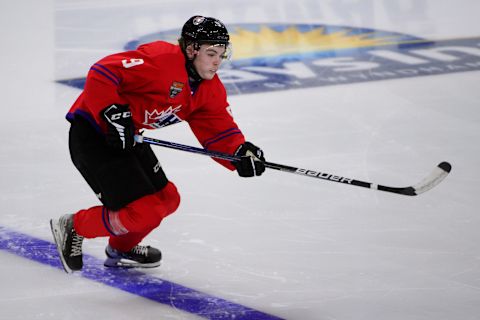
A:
[170,198]
[148,212]
[142,214]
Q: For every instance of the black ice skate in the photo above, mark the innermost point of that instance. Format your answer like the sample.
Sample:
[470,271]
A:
[69,243]
[138,257]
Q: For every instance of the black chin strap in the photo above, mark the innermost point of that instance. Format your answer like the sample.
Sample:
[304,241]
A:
[192,73]
[194,78]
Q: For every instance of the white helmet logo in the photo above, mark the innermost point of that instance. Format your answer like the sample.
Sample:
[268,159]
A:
[198,20]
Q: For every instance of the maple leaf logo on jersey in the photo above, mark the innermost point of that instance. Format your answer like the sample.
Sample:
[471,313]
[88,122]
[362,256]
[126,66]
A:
[159,119]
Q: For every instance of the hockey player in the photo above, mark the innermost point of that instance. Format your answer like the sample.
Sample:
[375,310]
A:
[158,84]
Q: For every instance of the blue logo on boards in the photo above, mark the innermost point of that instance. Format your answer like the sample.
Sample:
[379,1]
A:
[269,57]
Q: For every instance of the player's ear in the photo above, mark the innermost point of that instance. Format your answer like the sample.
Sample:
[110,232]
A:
[190,51]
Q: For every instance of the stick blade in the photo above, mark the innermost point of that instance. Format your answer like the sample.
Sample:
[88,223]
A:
[434,178]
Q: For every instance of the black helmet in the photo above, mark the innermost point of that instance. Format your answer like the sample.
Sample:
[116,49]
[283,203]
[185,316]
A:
[200,29]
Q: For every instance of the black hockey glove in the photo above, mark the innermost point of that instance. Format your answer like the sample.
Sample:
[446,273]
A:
[120,128]
[251,163]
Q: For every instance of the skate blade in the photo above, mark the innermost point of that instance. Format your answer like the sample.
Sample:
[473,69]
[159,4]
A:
[57,237]
[123,263]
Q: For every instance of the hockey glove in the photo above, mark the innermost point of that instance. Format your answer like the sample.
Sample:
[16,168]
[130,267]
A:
[120,128]
[251,161]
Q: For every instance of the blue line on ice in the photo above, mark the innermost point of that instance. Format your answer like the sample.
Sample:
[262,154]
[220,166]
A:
[133,281]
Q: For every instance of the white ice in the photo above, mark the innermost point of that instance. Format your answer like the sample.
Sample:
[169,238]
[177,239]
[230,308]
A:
[290,246]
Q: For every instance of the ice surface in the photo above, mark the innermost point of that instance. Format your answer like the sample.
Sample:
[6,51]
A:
[282,244]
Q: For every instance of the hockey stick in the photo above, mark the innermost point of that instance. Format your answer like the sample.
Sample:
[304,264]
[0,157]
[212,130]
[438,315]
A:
[434,178]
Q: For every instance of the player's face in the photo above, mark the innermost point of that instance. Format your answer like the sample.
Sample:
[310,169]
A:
[208,60]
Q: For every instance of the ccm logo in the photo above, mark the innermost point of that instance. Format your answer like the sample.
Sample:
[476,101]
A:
[118,116]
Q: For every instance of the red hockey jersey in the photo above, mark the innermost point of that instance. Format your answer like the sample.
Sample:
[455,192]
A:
[153,81]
